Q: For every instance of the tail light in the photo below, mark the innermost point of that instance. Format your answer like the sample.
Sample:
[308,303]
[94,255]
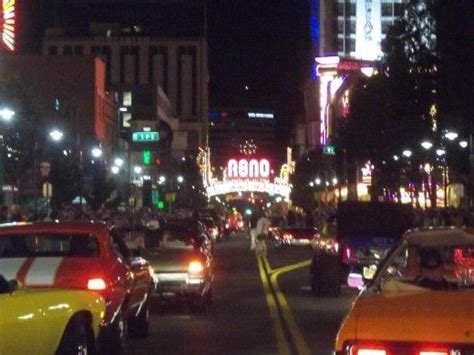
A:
[96,285]
[287,236]
[365,350]
[347,255]
[195,267]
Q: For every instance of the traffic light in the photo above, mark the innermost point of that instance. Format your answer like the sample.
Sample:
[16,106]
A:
[146,157]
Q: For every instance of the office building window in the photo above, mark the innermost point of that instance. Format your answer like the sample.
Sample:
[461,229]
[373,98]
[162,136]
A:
[67,50]
[340,45]
[386,24]
[352,26]
[127,98]
[340,9]
[53,50]
[387,9]
[78,50]
[398,9]
[352,44]
[340,26]
[351,10]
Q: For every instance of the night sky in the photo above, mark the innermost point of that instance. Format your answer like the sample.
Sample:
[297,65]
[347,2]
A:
[262,44]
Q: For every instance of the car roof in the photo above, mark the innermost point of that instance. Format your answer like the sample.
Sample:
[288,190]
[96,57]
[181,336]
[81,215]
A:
[438,237]
[85,226]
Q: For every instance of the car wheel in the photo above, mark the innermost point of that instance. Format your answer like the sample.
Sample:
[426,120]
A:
[139,326]
[77,339]
[112,337]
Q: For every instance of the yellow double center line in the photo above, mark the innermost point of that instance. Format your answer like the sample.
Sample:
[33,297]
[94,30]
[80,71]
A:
[279,309]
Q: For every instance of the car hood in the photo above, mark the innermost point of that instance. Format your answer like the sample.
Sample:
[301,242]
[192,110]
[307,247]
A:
[442,316]
[171,260]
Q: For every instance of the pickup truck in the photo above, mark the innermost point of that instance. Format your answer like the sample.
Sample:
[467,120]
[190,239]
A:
[365,232]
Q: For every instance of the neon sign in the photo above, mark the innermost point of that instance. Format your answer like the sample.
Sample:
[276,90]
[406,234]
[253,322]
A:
[227,187]
[244,169]
[8,32]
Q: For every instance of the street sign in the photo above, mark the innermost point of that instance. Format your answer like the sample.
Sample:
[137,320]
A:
[151,136]
[329,150]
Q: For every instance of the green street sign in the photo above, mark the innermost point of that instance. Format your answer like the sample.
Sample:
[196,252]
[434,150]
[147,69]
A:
[329,150]
[151,136]
[155,197]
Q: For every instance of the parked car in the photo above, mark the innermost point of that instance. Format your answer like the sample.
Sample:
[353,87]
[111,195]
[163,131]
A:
[87,256]
[48,321]
[297,236]
[419,300]
[182,263]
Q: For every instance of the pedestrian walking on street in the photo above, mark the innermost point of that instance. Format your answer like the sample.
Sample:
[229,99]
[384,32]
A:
[263,224]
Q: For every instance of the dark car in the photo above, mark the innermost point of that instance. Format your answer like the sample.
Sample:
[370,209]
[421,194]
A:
[276,226]
[366,231]
[182,263]
[212,229]
[297,236]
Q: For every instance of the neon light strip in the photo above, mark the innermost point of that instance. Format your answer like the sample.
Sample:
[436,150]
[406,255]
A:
[226,187]
[8,35]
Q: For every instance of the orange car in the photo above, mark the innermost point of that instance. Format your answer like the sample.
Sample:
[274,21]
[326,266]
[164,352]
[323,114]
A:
[420,300]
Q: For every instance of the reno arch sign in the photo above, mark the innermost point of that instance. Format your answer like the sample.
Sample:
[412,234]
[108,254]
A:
[248,169]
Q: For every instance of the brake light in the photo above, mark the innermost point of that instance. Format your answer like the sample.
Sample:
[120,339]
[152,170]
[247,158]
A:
[195,267]
[287,236]
[367,350]
[434,352]
[371,352]
[96,285]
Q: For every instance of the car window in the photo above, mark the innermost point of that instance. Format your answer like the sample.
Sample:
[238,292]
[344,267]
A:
[49,244]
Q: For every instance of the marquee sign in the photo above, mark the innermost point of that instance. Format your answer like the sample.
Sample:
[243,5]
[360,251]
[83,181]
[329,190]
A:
[9,25]
[230,186]
[248,169]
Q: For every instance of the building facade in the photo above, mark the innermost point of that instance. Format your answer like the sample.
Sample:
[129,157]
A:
[177,65]
[356,28]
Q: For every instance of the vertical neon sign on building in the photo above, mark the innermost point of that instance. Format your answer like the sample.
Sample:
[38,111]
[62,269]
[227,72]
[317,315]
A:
[8,31]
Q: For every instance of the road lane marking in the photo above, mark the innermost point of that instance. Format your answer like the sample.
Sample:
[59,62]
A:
[298,339]
[282,342]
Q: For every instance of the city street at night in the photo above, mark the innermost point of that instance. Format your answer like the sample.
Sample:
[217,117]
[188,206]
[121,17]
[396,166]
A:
[239,320]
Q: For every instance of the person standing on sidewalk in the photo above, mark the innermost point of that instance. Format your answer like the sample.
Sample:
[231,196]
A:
[263,224]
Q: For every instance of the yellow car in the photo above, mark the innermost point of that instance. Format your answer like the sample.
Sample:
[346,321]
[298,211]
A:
[419,301]
[48,321]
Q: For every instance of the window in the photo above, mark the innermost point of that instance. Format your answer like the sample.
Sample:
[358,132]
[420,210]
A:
[352,44]
[387,9]
[53,50]
[352,28]
[351,11]
[399,9]
[127,98]
[340,26]
[386,25]
[340,45]
[340,9]
[126,120]
[49,245]
[67,50]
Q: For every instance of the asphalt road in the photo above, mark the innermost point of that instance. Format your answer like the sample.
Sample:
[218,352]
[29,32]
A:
[259,307]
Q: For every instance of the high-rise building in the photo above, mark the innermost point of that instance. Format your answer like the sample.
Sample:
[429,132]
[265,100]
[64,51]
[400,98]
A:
[356,28]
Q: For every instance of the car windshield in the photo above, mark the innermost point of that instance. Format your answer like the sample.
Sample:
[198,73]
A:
[437,267]
[48,244]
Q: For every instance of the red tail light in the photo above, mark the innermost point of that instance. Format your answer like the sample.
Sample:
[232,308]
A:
[96,285]
[347,253]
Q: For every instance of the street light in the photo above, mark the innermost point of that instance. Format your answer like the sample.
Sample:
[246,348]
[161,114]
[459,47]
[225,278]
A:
[180,179]
[396,157]
[6,114]
[407,153]
[463,144]
[318,181]
[137,169]
[334,181]
[56,135]
[115,169]
[118,162]
[96,152]
[440,152]
[426,144]
[451,135]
